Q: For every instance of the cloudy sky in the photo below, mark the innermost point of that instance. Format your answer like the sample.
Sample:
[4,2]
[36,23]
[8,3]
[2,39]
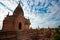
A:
[42,13]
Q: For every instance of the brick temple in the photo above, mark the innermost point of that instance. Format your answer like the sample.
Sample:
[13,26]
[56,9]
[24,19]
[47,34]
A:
[16,27]
[17,21]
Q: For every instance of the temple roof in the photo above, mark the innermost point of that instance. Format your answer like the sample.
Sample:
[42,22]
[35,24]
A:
[18,10]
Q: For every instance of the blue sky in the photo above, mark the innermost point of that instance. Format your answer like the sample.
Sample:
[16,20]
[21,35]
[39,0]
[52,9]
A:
[42,13]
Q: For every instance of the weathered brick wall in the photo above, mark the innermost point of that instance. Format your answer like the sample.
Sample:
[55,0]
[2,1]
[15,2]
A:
[23,35]
[8,35]
[26,35]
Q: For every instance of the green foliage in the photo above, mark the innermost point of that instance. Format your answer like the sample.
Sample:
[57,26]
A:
[59,26]
[57,36]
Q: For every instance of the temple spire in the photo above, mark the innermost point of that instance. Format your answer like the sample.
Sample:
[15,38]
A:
[19,4]
[18,10]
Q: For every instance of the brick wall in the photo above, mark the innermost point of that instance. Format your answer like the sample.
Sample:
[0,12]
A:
[8,35]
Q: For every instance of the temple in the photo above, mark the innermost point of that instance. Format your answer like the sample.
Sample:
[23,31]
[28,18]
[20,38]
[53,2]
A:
[16,27]
[17,21]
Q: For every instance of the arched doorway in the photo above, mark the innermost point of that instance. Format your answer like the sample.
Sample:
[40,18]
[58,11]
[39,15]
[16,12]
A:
[20,25]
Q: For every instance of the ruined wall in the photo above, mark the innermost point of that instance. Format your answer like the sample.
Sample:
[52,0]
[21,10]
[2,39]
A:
[32,34]
[8,35]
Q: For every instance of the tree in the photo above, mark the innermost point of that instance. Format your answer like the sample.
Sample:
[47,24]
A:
[56,37]
[59,26]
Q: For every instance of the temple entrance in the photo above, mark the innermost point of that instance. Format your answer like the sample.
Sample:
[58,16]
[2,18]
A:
[20,25]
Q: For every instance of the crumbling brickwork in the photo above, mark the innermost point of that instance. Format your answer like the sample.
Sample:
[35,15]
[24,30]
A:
[17,21]
[16,27]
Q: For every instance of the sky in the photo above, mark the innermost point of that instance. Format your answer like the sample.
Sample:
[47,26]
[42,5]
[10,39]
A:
[42,13]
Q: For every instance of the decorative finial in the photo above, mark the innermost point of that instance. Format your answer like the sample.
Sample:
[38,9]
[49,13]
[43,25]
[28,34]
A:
[8,14]
[38,28]
[19,4]
[48,27]
[19,1]
[30,27]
